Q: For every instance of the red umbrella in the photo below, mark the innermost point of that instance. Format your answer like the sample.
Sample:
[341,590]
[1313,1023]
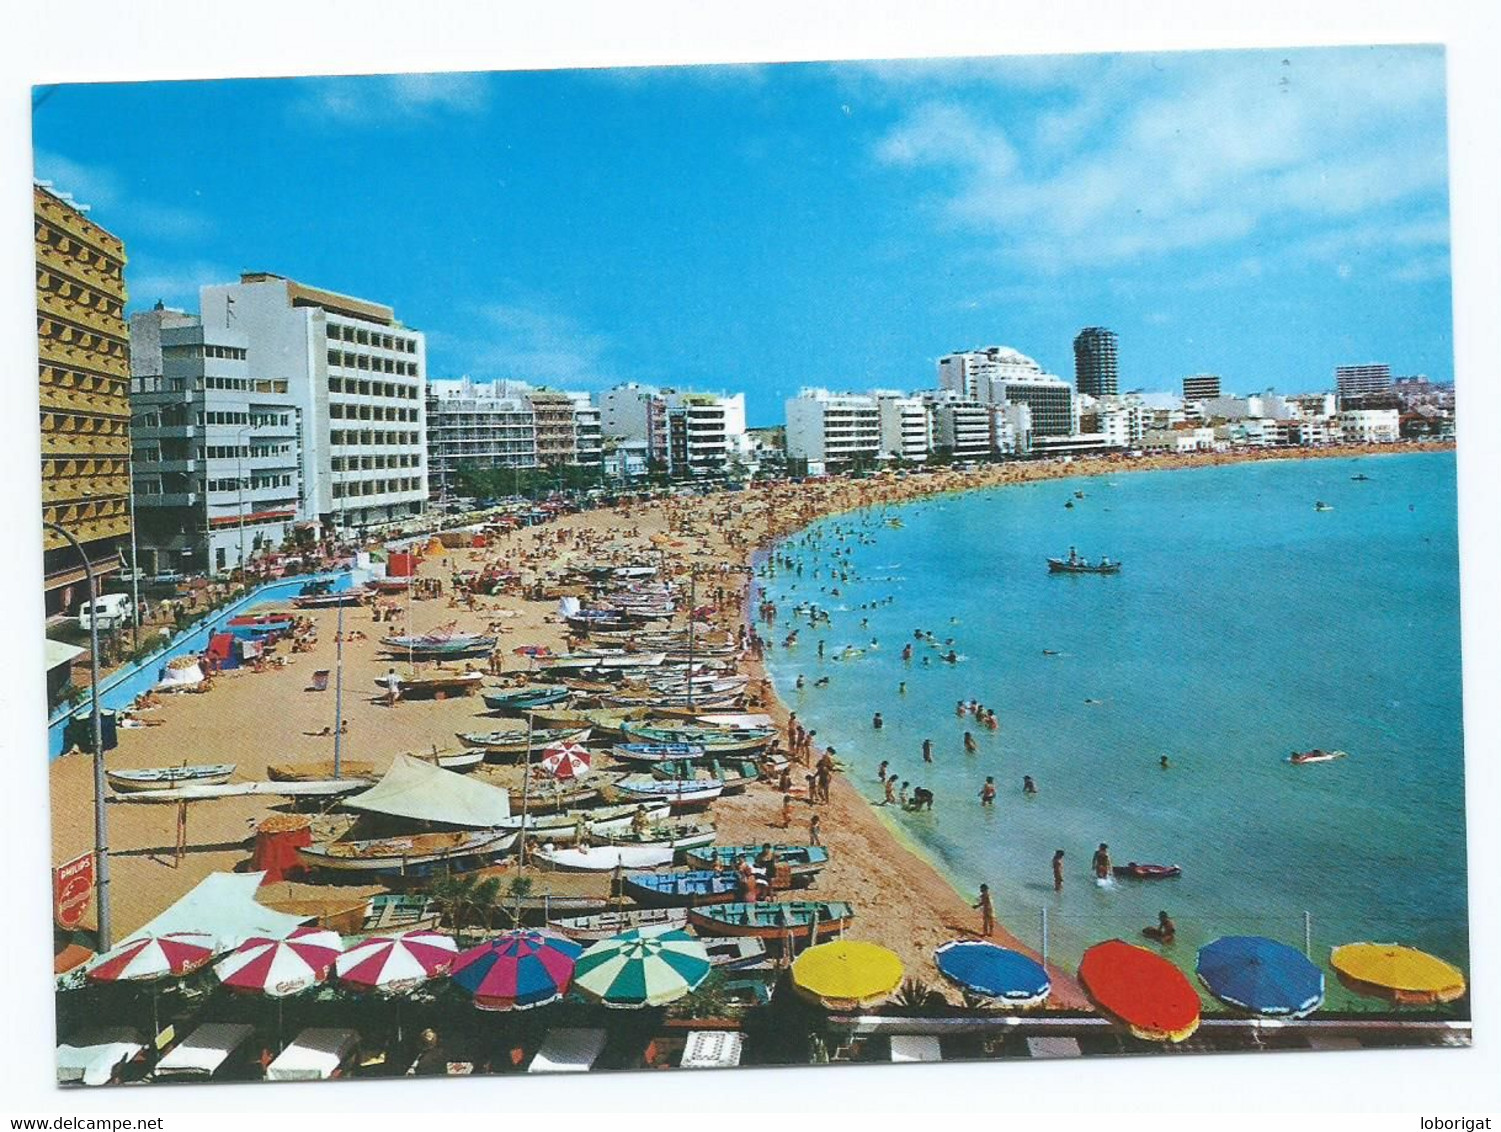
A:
[281,967]
[1141,989]
[565,760]
[151,957]
[393,965]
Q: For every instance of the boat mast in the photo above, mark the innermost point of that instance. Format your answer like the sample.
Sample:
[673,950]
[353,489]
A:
[526,781]
[692,604]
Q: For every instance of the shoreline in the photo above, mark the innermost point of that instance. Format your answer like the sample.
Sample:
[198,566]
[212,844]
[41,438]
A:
[903,898]
[901,840]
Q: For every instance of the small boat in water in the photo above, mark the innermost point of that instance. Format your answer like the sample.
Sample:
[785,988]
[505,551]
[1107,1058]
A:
[1076,564]
[681,890]
[1133,871]
[802,920]
[603,925]
[420,854]
[1322,506]
[170,777]
[1298,758]
[1362,478]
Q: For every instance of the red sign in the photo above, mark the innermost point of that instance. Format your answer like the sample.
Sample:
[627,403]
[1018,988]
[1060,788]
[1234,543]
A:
[72,889]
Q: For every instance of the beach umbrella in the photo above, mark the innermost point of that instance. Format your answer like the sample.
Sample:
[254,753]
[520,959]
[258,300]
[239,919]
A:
[846,974]
[152,958]
[565,760]
[1403,975]
[280,967]
[1140,989]
[517,970]
[1261,976]
[994,972]
[533,651]
[632,970]
[392,965]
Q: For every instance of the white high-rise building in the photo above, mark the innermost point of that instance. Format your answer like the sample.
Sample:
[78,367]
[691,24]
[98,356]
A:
[971,374]
[636,414]
[906,426]
[216,447]
[357,377]
[1355,381]
[833,430]
[476,424]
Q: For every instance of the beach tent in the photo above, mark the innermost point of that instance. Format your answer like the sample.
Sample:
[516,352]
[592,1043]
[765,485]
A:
[221,649]
[421,791]
[224,905]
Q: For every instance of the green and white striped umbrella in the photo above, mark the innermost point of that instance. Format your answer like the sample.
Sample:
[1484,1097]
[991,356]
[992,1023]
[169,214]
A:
[630,970]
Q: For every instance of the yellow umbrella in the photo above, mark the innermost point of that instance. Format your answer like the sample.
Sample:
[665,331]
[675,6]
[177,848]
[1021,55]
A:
[435,546]
[1399,974]
[846,974]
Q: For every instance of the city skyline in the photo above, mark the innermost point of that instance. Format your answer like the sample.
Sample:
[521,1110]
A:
[1261,215]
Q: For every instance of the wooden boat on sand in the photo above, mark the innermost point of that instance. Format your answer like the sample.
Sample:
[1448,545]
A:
[420,854]
[800,920]
[802,862]
[561,826]
[437,685]
[603,925]
[170,777]
[680,890]
[499,745]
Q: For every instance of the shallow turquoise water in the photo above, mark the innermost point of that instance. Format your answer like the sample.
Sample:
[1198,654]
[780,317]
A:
[1244,624]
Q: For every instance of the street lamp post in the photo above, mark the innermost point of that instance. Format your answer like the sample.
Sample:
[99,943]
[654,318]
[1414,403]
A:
[240,488]
[101,830]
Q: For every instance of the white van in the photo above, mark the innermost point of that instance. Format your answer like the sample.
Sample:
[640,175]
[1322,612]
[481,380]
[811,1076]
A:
[112,610]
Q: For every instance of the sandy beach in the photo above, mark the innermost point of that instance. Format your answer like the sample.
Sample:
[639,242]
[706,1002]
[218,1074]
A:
[254,719]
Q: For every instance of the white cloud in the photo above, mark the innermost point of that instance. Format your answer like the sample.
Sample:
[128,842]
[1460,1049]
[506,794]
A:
[366,99]
[87,184]
[531,339]
[1131,157]
[129,216]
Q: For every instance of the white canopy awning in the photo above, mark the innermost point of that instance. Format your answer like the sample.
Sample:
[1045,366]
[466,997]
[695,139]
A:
[421,791]
[59,652]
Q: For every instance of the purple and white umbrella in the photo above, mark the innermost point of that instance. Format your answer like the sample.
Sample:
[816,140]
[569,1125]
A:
[278,968]
[392,965]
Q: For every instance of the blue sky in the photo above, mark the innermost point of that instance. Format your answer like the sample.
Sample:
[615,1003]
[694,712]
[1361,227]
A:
[1264,215]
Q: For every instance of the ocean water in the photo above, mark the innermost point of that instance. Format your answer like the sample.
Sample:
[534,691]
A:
[1245,624]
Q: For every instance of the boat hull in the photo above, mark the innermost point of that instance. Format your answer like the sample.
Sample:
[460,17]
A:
[681,890]
[767,921]
[648,921]
[421,855]
[168,778]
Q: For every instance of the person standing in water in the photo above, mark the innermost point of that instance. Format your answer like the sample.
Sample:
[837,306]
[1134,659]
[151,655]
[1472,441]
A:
[878,722]
[927,750]
[987,792]
[970,746]
[1058,870]
[1101,862]
[987,912]
[1028,786]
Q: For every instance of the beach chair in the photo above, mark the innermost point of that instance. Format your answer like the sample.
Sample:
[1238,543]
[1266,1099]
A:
[568,1051]
[320,681]
[915,1047]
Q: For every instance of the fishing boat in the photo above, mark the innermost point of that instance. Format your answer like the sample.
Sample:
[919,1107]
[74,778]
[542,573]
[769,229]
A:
[657,752]
[437,647]
[732,774]
[680,795]
[604,858]
[803,862]
[170,777]
[354,596]
[319,770]
[1362,478]
[501,744]
[1077,564]
[420,854]
[390,585]
[733,953]
[526,699]
[550,798]
[438,685]
[1298,758]
[1133,871]
[680,890]
[715,741]
[709,701]
[802,920]
[459,761]
[562,826]
[603,925]
[604,723]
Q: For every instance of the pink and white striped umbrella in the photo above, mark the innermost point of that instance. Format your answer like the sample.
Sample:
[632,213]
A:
[155,957]
[565,760]
[281,967]
[392,965]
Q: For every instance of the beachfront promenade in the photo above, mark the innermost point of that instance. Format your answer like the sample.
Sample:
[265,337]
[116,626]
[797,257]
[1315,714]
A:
[254,719]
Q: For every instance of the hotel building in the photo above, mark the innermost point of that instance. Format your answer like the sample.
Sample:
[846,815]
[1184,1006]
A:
[84,374]
[475,424]
[833,431]
[1354,381]
[1201,387]
[1096,366]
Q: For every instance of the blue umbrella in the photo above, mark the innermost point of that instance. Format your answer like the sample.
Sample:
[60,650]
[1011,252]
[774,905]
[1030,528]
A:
[517,970]
[994,972]
[1261,976]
